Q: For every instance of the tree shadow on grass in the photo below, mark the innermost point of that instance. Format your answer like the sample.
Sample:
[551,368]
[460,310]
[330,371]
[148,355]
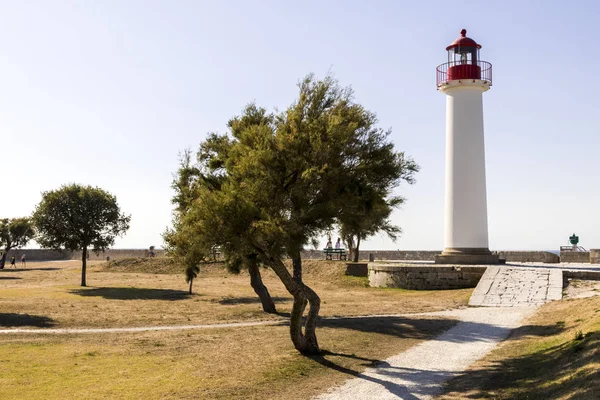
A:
[560,371]
[250,300]
[426,328]
[402,327]
[31,269]
[131,293]
[13,320]
[536,330]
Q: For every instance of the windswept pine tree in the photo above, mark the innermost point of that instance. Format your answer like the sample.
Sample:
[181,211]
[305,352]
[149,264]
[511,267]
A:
[285,178]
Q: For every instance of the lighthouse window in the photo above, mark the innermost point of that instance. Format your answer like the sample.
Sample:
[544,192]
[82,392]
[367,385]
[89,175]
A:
[463,55]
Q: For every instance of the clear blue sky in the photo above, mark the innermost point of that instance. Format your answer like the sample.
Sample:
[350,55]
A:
[107,92]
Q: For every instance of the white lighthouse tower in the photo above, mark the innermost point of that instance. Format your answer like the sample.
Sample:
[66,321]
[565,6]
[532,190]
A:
[463,79]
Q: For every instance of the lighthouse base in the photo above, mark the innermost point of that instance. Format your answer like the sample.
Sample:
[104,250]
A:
[468,256]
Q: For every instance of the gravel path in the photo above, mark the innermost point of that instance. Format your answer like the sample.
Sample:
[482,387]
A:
[419,372]
[74,331]
[62,331]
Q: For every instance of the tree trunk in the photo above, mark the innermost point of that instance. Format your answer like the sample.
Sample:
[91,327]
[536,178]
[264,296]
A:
[297,267]
[305,342]
[260,289]
[356,249]
[3,259]
[83,265]
[191,282]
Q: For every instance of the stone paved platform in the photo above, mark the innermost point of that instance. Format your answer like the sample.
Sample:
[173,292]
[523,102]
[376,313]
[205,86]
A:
[505,286]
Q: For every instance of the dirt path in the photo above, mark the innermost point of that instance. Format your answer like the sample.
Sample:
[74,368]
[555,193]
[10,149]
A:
[420,372]
[62,331]
[282,321]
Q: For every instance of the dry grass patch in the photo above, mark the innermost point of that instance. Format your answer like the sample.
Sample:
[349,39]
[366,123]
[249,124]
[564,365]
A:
[247,363]
[116,298]
[555,356]
[251,362]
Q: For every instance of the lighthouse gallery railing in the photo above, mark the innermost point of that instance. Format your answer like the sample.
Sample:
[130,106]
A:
[454,70]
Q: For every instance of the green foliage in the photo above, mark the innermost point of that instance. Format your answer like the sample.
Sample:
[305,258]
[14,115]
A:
[278,180]
[14,232]
[181,245]
[77,217]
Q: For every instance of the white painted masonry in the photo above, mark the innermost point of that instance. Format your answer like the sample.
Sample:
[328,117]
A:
[466,201]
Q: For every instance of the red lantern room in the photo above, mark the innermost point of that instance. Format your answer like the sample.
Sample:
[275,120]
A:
[464,62]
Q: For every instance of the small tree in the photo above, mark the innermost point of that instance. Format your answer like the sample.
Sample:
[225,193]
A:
[77,217]
[369,212]
[14,232]
[181,246]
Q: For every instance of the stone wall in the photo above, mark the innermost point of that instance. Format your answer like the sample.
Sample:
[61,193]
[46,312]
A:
[429,255]
[584,275]
[530,256]
[53,255]
[38,254]
[380,255]
[117,254]
[575,256]
[595,256]
[423,277]
[357,269]
[419,255]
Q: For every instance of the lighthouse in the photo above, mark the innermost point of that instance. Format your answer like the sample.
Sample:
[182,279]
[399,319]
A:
[464,79]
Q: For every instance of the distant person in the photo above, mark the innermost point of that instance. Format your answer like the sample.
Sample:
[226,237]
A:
[23,263]
[12,262]
[338,244]
[329,245]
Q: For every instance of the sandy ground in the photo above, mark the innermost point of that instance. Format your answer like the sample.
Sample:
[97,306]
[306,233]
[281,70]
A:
[578,289]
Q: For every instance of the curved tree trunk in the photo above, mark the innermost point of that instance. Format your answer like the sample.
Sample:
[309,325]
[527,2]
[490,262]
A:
[191,282]
[83,265]
[260,289]
[356,249]
[3,259]
[304,340]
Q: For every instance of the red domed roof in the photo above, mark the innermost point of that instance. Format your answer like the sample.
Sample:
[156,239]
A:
[463,41]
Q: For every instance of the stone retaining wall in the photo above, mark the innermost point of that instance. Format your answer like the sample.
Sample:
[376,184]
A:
[575,256]
[429,255]
[423,277]
[379,255]
[38,254]
[117,254]
[595,256]
[530,256]
[584,275]
[54,255]
[357,269]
